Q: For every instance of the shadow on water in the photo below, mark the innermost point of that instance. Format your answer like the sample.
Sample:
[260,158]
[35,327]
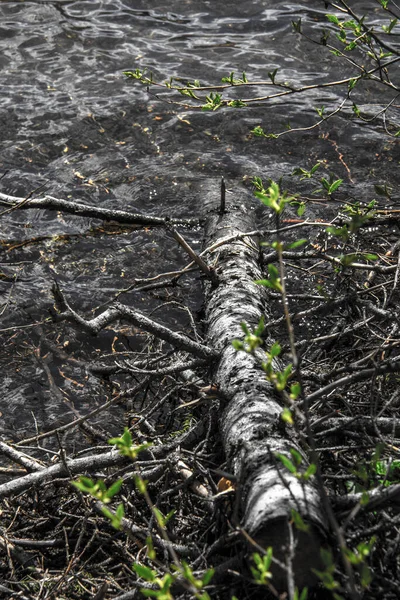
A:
[70,122]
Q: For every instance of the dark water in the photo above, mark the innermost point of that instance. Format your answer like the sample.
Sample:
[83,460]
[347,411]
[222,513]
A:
[71,122]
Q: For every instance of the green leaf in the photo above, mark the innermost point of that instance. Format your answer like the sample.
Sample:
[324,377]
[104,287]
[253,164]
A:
[325,183]
[296,26]
[298,521]
[327,559]
[297,243]
[244,328]
[287,416]
[297,458]
[347,259]
[145,572]
[258,131]
[208,575]
[260,327]
[120,512]
[351,46]
[388,29]
[301,209]
[302,596]
[275,350]
[272,75]
[366,575]
[84,484]
[333,19]
[287,371]
[237,344]
[140,483]
[114,489]
[237,103]
[286,463]
[263,282]
[295,391]
[127,437]
[315,167]
[311,470]
[334,186]
[341,35]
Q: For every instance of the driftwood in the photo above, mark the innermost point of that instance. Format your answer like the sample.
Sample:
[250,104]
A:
[85,210]
[67,468]
[252,431]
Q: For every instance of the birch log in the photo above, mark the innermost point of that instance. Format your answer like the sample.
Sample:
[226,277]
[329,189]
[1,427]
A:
[252,430]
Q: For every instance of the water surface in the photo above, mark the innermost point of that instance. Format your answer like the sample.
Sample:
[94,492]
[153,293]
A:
[73,126]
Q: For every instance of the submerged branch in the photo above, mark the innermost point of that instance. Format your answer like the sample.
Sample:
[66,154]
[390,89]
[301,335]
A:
[120,311]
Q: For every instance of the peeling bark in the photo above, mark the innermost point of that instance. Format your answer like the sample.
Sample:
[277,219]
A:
[252,431]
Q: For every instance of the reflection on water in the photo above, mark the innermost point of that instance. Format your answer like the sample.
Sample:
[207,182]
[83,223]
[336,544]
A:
[70,121]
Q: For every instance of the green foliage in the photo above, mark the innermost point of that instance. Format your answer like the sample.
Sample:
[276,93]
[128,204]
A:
[388,28]
[295,391]
[332,185]
[114,517]
[126,447]
[356,210]
[273,198]
[150,575]
[272,75]
[279,379]
[161,519]
[237,104]
[377,470]
[292,465]
[297,243]
[304,173]
[274,281]
[358,558]
[298,521]
[302,596]
[165,583]
[359,216]
[261,571]
[188,92]
[259,132]
[252,339]
[213,101]
[327,575]
[287,416]
[235,81]
[140,76]
[99,491]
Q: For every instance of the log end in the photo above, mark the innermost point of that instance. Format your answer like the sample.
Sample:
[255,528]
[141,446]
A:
[299,555]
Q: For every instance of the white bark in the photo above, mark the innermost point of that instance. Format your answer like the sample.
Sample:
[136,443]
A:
[252,430]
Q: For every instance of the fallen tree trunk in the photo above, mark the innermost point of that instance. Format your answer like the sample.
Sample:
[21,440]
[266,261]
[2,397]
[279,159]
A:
[252,431]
